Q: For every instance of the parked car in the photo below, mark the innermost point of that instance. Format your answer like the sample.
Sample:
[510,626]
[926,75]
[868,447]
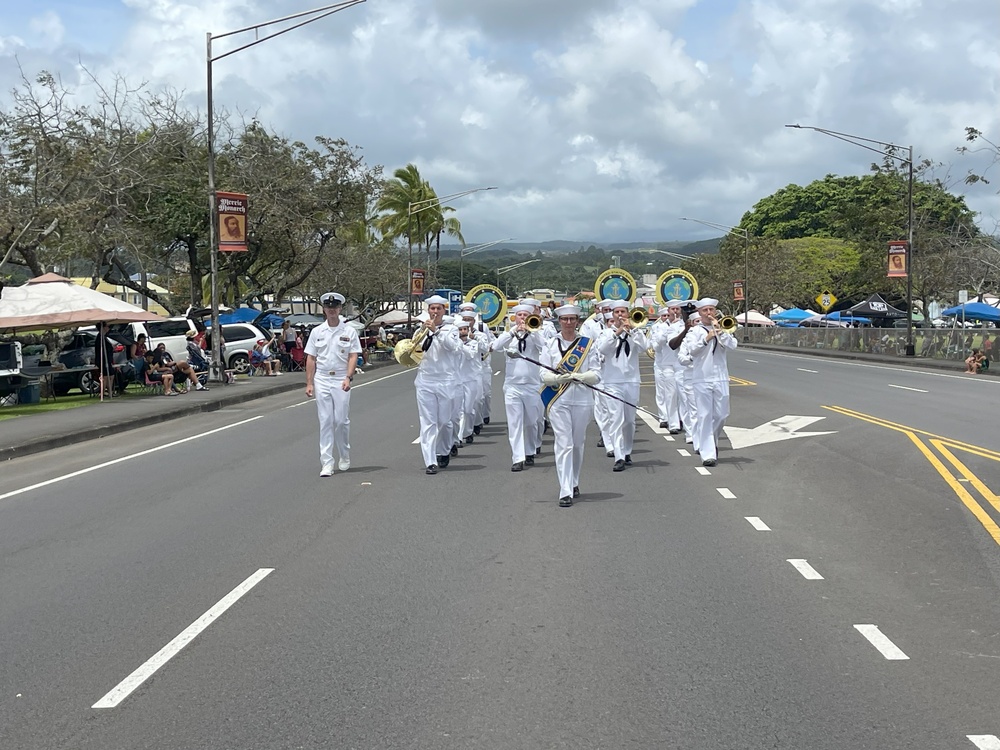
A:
[240,338]
[169,331]
[79,351]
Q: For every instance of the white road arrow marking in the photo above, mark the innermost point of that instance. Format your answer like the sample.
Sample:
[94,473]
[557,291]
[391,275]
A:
[783,428]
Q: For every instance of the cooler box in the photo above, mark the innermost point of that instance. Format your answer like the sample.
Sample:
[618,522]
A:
[30,394]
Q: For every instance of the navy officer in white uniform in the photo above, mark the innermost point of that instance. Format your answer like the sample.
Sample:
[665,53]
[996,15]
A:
[331,359]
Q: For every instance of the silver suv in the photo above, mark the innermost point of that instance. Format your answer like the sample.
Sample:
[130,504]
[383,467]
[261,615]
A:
[240,339]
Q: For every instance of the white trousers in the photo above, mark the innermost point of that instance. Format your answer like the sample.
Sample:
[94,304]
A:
[523,405]
[436,408]
[621,418]
[712,405]
[685,399]
[569,431]
[472,396]
[667,397]
[333,405]
[601,416]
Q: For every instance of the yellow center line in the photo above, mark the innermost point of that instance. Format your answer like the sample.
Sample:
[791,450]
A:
[963,494]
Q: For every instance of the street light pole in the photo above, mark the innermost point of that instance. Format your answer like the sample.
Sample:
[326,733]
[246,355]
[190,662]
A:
[415,207]
[469,251]
[218,351]
[888,149]
[745,234]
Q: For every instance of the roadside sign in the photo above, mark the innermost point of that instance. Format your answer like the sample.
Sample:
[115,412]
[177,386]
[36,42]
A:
[826,300]
[738,291]
[963,296]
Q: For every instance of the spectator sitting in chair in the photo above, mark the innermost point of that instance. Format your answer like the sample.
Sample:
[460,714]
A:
[196,355]
[180,370]
[155,373]
[260,356]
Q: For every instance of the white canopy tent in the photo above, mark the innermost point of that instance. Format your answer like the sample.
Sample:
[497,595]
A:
[51,302]
[753,318]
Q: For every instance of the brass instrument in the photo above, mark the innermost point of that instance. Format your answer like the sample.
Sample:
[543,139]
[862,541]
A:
[727,324]
[533,323]
[651,353]
[409,352]
[638,317]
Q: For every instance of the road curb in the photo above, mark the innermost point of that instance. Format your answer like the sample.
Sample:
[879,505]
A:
[111,428]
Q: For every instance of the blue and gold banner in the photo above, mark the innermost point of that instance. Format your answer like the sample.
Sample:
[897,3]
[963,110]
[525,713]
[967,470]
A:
[571,362]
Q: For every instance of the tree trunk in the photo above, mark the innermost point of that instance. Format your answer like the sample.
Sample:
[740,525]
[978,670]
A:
[194,270]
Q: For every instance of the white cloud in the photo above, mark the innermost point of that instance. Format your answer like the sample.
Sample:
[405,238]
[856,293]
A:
[598,119]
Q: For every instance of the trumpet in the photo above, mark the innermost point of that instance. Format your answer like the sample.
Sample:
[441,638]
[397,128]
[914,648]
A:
[638,317]
[533,323]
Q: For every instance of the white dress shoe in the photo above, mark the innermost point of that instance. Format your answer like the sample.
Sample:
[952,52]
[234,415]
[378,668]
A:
[326,471]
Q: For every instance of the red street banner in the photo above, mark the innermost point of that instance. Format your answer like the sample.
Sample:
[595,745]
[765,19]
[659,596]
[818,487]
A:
[417,276]
[738,291]
[232,210]
[898,255]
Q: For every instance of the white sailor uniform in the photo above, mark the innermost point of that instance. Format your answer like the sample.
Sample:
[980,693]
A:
[332,348]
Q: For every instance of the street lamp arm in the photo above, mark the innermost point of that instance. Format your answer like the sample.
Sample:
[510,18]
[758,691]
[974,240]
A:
[332,8]
[435,202]
[476,248]
[857,140]
[738,231]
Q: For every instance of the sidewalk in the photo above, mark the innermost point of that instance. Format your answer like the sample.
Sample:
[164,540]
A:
[885,359]
[25,435]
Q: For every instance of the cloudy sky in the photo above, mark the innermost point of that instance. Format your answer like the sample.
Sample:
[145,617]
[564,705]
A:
[598,120]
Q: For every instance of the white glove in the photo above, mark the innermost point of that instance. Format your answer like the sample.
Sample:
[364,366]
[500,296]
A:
[590,377]
[553,379]
[511,354]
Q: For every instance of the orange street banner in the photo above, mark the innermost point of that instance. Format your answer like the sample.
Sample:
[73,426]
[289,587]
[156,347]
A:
[232,210]
[738,291]
[417,276]
[898,254]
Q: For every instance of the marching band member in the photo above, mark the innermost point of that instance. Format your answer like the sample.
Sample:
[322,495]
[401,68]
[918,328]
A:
[569,402]
[470,378]
[665,365]
[592,328]
[704,348]
[685,391]
[620,346]
[521,385]
[331,359]
[435,386]
[482,332]
[548,332]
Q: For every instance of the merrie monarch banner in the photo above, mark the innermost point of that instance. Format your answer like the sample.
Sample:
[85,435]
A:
[417,276]
[898,254]
[738,291]
[232,211]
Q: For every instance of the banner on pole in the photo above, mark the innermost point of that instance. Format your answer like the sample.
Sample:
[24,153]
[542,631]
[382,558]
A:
[417,277]
[899,253]
[738,291]
[232,211]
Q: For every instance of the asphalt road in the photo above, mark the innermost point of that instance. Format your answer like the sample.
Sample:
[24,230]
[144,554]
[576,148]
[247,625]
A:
[382,608]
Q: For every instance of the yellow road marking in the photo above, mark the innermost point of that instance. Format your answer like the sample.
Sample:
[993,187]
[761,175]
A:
[740,381]
[942,444]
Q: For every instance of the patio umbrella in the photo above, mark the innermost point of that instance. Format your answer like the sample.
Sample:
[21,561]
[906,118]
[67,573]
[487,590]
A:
[51,302]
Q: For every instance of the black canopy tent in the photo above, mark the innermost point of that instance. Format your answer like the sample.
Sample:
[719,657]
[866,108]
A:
[873,307]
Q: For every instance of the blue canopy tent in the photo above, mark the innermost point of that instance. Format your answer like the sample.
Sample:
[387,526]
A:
[844,316]
[794,315]
[973,311]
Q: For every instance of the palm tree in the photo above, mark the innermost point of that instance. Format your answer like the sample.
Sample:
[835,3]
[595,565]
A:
[405,188]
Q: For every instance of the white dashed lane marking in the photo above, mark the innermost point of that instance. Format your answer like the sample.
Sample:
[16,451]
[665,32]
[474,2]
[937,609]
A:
[802,369]
[726,493]
[703,471]
[683,452]
[124,688]
[808,571]
[985,741]
[887,648]
[757,523]
[907,388]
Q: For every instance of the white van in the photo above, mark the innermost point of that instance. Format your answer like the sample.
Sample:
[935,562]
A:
[169,331]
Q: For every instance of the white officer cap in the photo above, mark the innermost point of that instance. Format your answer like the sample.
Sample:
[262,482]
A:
[706,302]
[522,308]
[436,299]
[618,304]
[567,310]
[331,299]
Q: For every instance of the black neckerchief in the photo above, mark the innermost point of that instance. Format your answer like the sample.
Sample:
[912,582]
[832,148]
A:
[562,352]
[522,342]
[623,343]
